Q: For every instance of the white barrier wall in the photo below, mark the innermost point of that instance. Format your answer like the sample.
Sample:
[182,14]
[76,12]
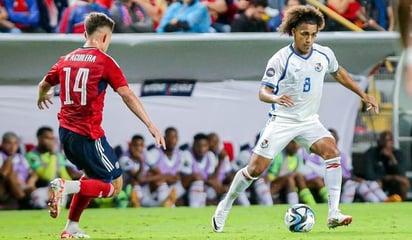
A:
[230,108]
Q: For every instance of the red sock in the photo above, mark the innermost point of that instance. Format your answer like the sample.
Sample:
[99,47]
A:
[78,204]
[95,188]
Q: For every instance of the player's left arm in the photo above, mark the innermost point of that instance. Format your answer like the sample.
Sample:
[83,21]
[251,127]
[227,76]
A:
[136,106]
[343,77]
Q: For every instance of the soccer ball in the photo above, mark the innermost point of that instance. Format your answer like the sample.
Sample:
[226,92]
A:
[300,218]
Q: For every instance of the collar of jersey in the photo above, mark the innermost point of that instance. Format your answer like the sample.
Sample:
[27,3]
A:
[297,54]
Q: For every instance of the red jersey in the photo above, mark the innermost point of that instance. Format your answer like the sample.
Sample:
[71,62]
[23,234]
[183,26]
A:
[83,76]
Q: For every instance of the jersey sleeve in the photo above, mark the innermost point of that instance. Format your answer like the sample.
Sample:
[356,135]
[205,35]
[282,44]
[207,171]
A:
[52,77]
[333,66]
[114,75]
[273,71]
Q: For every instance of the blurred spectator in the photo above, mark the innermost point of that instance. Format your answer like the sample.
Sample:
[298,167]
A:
[286,179]
[381,11]
[216,8]
[149,188]
[16,179]
[24,14]
[48,163]
[275,21]
[73,16]
[5,25]
[49,15]
[251,20]
[384,163]
[189,16]
[130,17]
[352,11]
[198,167]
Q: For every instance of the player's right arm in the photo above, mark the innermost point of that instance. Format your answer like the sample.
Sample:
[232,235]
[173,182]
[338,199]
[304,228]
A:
[266,95]
[136,106]
[45,85]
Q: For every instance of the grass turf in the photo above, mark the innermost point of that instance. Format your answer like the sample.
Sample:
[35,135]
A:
[371,221]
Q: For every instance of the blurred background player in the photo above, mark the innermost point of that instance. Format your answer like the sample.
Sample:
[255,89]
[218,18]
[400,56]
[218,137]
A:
[198,167]
[149,188]
[83,82]
[17,181]
[167,163]
[385,163]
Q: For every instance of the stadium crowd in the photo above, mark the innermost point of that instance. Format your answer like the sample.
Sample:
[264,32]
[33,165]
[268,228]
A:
[185,16]
[198,173]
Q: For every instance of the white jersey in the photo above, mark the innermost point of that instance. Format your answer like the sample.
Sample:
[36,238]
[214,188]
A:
[289,73]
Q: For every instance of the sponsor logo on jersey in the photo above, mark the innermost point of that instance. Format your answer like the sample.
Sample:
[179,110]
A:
[270,72]
[264,143]
[318,67]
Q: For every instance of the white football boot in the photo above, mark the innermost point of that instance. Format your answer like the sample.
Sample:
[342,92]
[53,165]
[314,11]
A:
[56,189]
[219,218]
[337,219]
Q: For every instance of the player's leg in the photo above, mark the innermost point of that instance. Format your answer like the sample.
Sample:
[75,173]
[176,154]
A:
[322,143]
[100,163]
[326,148]
[272,140]
[242,180]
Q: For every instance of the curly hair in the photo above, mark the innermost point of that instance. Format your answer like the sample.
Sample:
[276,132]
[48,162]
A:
[297,15]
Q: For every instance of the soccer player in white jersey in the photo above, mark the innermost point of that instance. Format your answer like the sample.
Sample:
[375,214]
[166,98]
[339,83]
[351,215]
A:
[293,83]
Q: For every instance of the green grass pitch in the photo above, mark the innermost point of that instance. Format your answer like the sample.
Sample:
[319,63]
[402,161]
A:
[371,221]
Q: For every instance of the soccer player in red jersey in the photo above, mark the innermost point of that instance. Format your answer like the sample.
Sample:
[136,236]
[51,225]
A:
[84,75]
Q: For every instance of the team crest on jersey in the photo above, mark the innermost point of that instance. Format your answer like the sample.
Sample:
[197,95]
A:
[270,72]
[264,143]
[318,67]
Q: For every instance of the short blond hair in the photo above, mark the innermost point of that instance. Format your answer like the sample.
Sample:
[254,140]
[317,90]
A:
[95,20]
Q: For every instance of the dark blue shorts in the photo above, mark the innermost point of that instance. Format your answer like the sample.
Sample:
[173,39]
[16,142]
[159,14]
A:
[95,157]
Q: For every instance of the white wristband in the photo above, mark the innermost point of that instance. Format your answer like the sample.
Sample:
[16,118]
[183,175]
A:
[409,55]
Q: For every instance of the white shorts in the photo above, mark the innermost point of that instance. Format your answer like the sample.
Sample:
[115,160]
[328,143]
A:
[278,132]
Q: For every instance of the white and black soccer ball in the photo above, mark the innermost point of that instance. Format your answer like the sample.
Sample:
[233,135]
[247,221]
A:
[300,218]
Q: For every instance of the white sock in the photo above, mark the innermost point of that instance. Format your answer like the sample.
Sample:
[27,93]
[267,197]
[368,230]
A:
[239,184]
[263,192]
[71,187]
[162,192]
[366,193]
[348,191]
[197,195]
[71,224]
[333,182]
[292,198]
[377,190]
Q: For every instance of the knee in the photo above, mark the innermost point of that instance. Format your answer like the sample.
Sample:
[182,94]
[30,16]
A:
[255,170]
[331,152]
